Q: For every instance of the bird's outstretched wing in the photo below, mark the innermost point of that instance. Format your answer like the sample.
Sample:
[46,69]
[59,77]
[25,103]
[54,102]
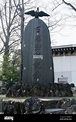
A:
[32,13]
[41,13]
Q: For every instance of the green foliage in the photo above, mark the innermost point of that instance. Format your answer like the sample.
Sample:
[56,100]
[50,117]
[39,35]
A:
[10,73]
[72,85]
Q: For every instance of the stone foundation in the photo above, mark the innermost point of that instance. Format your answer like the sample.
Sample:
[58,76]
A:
[40,90]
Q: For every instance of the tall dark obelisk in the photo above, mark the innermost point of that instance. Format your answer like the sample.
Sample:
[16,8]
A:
[36,51]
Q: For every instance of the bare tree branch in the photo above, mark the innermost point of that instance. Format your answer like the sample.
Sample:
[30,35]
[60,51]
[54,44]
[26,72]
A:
[69,4]
[5,14]
[1,50]
[2,39]
[18,7]
[57,6]
[8,22]
[2,24]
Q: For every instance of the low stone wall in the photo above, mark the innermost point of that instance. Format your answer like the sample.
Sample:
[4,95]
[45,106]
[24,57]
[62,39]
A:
[40,90]
[34,105]
[0,105]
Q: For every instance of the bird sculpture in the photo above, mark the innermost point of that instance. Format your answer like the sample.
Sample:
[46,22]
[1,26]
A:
[36,13]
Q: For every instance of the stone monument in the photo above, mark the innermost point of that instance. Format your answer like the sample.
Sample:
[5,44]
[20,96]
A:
[36,51]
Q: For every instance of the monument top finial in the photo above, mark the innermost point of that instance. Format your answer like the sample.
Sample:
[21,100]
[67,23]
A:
[36,13]
[37,9]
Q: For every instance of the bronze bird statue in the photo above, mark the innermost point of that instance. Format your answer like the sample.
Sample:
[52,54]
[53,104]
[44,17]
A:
[36,13]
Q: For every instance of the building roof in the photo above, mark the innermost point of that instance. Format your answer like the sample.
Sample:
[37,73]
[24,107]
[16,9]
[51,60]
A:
[64,46]
[64,49]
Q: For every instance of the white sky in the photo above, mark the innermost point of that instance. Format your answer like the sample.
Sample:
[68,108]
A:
[67,33]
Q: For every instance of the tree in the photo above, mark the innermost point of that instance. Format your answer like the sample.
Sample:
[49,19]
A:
[11,74]
[9,28]
[12,24]
[12,29]
[9,25]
